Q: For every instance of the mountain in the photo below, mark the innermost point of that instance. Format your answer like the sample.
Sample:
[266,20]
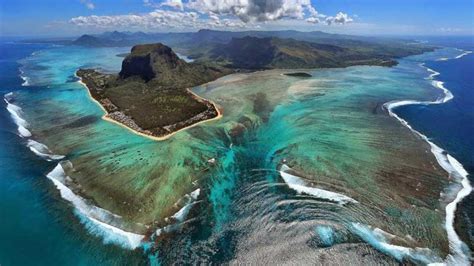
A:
[158,64]
[206,36]
[263,53]
[272,52]
[120,39]
[113,39]
[90,41]
[269,49]
[150,94]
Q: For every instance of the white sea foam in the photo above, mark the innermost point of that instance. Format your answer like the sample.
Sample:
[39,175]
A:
[433,72]
[42,150]
[15,113]
[195,194]
[167,229]
[463,54]
[378,239]
[112,234]
[299,185]
[98,221]
[447,94]
[183,212]
[458,248]
[26,79]
[180,215]
[191,200]
[38,148]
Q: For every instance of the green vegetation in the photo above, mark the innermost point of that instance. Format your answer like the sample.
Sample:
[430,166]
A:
[267,53]
[150,93]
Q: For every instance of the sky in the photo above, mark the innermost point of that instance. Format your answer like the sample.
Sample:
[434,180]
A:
[364,17]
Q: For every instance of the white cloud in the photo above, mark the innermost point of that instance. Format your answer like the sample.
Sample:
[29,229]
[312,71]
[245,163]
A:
[174,3]
[196,14]
[253,10]
[158,19]
[88,4]
[313,20]
[340,18]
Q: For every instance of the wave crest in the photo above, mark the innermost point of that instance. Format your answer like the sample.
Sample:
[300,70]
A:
[459,250]
[97,220]
[16,114]
[299,185]
[42,151]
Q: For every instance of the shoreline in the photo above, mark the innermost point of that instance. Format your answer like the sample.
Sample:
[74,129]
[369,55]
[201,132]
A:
[435,83]
[452,166]
[87,213]
[162,138]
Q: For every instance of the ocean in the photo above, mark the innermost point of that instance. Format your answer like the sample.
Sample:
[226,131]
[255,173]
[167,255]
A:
[35,223]
[249,207]
[451,125]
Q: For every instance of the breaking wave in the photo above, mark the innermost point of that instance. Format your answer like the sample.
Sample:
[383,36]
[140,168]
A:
[183,212]
[36,147]
[15,113]
[463,54]
[380,240]
[26,79]
[180,216]
[299,185]
[42,151]
[97,220]
[459,250]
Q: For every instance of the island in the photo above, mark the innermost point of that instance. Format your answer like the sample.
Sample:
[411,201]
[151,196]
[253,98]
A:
[151,93]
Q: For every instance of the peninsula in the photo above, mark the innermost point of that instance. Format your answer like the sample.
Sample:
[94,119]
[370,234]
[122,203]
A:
[150,95]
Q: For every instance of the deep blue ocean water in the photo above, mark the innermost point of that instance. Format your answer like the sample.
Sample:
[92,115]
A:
[37,228]
[451,125]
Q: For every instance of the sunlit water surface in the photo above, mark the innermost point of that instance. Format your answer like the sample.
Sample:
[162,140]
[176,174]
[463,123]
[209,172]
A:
[331,129]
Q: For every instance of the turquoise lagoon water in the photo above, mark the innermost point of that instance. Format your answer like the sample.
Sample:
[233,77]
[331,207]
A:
[331,129]
[36,226]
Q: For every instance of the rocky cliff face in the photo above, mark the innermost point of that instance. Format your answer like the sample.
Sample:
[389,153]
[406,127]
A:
[159,65]
[149,60]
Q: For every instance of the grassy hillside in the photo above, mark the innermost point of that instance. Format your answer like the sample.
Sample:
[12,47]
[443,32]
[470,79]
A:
[150,93]
[271,52]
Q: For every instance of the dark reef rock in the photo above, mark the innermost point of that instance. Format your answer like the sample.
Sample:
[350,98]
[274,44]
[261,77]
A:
[83,121]
[299,74]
